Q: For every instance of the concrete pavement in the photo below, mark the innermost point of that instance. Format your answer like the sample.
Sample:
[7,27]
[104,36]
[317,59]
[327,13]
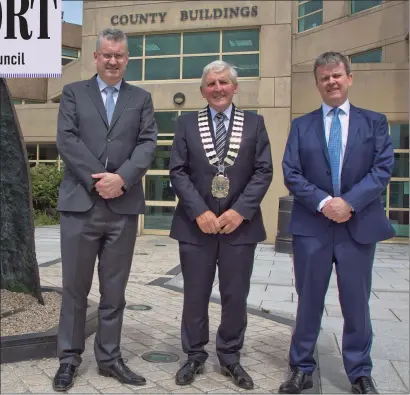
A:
[155,280]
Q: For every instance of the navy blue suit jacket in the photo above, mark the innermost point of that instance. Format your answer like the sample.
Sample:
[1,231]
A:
[366,171]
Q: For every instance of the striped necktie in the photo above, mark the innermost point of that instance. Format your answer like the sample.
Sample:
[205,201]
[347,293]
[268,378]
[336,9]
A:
[334,147]
[220,135]
[109,102]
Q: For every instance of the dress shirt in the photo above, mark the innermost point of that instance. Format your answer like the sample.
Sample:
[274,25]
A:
[344,121]
[227,113]
[102,85]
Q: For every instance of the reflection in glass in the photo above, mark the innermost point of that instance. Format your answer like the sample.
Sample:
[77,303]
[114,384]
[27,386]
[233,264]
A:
[134,70]
[163,44]
[373,56]
[162,69]
[310,21]
[247,65]
[162,157]
[310,7]
[48,152]
[201,42]
[135,45]
[159,188]
[399,194]
[400,222]
[158,217]
[166,121]
[194,66]
[401,165]
[399,133]
[360,5]
[71,52]
[240,40]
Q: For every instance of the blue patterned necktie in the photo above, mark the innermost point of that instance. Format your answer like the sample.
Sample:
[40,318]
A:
[220,136]
[109,102]
[334,147]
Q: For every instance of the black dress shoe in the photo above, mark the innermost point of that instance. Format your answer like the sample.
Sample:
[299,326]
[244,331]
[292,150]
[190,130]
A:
[122,373]
[64,378]
[364,385]
[186,375]
[238,374]
[298,382]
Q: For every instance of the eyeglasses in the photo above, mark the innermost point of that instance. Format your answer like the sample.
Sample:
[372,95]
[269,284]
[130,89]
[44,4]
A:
[116,56]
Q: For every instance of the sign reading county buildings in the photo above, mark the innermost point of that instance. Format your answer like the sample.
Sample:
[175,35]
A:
[202,14]
[30,38]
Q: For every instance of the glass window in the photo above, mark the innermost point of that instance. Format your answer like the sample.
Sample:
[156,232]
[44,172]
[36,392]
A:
[166,121]
[162,157]
[400,222]
[28,101]
[400,135]
[309,7]
[159,188]
[207,42]
[17,101]
[194,66]
[373,56]
[158,217]
[71,52]
[401,165]
[310,21]
[360,5]
[163,44]
[399,194]
[48,152]
[162,69]
[65,61]
[247,65]
[240,40]
[134,70]
[135,45]
[31,151]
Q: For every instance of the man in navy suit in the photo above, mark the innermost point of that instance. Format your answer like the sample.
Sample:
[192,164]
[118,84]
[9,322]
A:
[337,162]
[220,168]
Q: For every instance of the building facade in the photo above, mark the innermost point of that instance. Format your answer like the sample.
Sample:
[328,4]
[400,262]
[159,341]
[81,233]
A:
[273,44]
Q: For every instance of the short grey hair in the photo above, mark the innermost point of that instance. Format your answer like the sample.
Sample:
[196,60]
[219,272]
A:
[111,35]
[331,58]
[219,66]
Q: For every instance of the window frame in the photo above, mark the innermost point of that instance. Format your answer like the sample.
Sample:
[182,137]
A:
[182,55]
[37,161]
[364,52]
[300,3]
[69,57]
[352,2]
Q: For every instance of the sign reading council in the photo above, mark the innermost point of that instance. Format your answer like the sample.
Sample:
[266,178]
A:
[30,38]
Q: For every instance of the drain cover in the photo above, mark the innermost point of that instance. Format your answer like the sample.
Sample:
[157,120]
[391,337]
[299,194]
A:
[160,357]
[138,307]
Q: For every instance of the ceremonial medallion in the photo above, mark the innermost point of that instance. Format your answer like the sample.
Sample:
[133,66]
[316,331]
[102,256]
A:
[220,186]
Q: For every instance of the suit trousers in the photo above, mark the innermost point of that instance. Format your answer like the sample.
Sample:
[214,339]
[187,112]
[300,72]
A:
[313,265]
[198,264]
[85,236]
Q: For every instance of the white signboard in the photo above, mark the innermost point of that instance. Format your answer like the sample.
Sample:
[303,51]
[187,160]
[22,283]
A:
[30,38]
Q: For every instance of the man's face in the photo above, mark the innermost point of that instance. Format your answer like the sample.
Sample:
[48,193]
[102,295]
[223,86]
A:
[111,60]
[333,83]
[218,90]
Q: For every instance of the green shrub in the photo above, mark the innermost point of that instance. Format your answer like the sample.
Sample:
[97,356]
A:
[45,181]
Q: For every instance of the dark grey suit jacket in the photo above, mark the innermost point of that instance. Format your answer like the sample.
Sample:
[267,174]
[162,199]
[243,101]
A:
[191,177]
[85,140]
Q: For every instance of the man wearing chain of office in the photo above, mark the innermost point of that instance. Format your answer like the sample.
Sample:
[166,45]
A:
[220,168]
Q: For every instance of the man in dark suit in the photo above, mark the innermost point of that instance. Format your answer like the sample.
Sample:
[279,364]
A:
[337,162]
[221,168]
[106,137]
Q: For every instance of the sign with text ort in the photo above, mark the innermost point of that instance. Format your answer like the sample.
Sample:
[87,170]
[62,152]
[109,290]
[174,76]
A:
[30,38]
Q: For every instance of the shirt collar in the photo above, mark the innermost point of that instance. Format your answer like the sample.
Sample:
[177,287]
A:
[102,85]
[227,112]
[345,107]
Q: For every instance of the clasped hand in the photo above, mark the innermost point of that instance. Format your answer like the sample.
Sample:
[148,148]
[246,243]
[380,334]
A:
[226,223]
[337,210]
[109,185]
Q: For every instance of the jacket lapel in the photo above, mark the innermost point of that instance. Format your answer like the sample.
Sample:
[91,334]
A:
[123,96]
[320,132]
[354,122]
[95,94]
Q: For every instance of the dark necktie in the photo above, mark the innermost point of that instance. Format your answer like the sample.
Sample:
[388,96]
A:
[220,135]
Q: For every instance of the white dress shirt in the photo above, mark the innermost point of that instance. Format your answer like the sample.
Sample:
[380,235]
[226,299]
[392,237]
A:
[227,113]
[102,85]
[344,121]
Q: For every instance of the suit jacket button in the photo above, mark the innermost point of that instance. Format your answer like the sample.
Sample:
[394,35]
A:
[328,172]
[108,141]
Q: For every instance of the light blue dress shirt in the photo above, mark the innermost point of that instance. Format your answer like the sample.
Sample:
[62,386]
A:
[102,85]
[227,113]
